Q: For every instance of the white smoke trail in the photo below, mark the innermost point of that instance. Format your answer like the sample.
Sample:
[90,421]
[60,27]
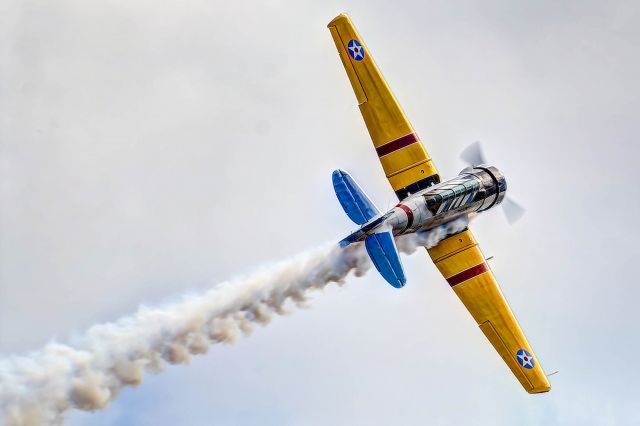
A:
[38,388]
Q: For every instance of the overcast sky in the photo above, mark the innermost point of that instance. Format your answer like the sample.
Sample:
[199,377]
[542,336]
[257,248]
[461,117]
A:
[152,148]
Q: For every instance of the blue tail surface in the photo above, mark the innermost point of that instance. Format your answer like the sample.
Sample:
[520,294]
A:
[384,255]
[379,242]
[353,200]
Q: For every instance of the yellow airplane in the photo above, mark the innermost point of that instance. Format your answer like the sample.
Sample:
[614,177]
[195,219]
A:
[426,202]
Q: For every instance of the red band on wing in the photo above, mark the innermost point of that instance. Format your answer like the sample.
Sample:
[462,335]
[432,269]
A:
[396,144]
[409,213]
[467,274]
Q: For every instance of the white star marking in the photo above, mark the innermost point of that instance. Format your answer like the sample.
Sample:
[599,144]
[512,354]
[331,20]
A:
[356,50]
[527,360]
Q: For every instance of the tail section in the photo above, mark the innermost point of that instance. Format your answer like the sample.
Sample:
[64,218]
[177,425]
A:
[353,200]
[383,253]
[378,239]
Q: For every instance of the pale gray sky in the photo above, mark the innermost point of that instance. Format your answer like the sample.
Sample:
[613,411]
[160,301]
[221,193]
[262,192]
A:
[152,148]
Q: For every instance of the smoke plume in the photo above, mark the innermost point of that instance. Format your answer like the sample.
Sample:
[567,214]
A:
[89,373]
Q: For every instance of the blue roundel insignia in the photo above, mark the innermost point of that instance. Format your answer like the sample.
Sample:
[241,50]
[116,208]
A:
[355,50]
[525,359]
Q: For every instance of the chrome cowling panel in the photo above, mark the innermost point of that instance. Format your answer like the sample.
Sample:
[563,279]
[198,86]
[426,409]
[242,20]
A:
[474,190]
[493,186]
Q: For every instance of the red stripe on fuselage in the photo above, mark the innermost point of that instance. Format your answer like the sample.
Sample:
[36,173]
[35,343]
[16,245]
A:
[409,213]
[467,274]
[396,144]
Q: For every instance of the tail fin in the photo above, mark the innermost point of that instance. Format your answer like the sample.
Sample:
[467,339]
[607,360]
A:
[384,255]
[353,200]
[379,243]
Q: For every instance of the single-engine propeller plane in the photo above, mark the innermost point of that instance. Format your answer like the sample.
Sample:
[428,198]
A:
[427,201]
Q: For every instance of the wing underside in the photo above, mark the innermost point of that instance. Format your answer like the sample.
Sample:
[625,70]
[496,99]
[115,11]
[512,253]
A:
[405,161]
[461,262]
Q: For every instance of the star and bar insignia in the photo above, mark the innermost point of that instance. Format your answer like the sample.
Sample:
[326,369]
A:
[525,358]
[356,50]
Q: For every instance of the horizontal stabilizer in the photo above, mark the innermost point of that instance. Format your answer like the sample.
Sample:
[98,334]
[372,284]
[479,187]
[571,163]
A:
[384,255]
[353,200]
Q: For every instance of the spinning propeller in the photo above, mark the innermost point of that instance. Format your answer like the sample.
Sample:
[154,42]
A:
[474,156]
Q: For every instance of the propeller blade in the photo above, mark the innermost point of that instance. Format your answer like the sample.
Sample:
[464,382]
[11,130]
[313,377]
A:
[473,155]
[512,210]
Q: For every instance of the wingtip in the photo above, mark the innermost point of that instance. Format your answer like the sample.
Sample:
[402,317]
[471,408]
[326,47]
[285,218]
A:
[543,389]
[338,18]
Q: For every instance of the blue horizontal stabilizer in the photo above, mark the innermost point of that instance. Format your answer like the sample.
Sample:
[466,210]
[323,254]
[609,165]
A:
[352,199]
[384,255]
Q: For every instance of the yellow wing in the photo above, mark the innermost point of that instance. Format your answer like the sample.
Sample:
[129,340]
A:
[406,163]
[461,262]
